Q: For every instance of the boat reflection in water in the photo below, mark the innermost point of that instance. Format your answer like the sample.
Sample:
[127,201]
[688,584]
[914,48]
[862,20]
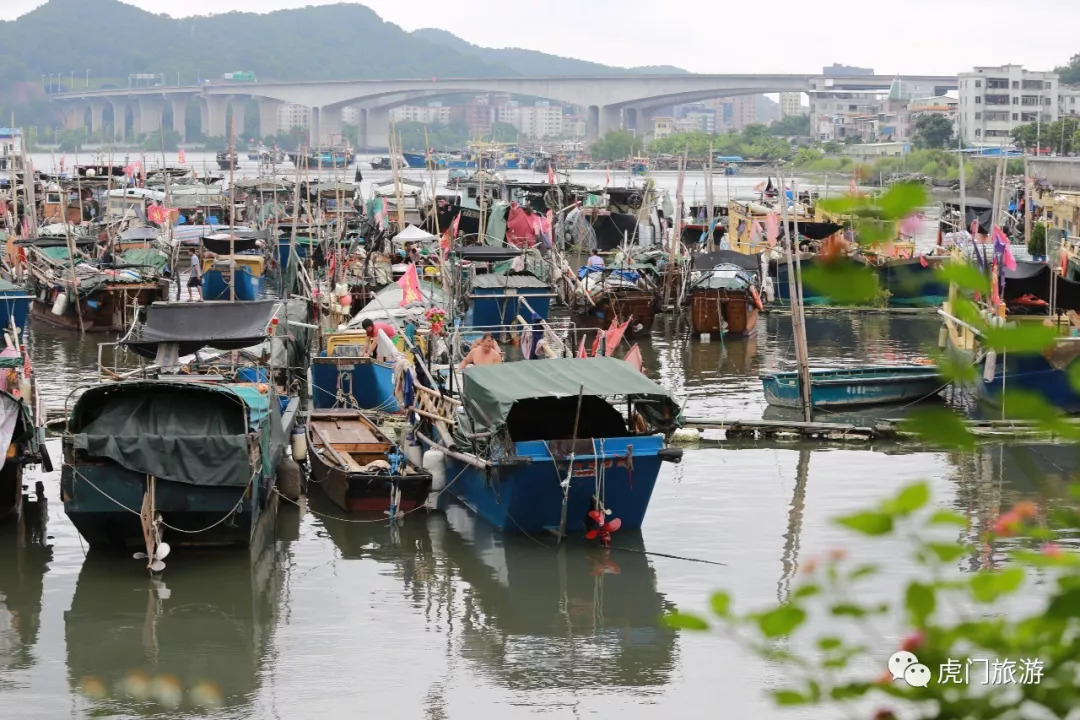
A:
[532,616]
[24,560]
[194,640]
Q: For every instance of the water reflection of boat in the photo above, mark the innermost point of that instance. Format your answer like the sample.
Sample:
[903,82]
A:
[580,616]
[25,560]
[194,641]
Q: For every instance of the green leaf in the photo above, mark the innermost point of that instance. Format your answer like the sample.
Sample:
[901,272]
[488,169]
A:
[947,552]
[721,603]
[843,282]
[987,587]
[806,591]
[780,621]
[939,426]
[862,571]
[847,610]
[1024,339]
[849,692]
[947,517]
[843,205]
[1065,604]
[790,697]
[965,277]
[912,497]
[902,200]
[956,369]
[685,621]
[1038,559]
[920,602]
[829,642]
[868,523]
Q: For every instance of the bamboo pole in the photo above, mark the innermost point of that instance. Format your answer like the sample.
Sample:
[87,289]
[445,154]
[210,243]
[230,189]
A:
[232,212]
[798,322]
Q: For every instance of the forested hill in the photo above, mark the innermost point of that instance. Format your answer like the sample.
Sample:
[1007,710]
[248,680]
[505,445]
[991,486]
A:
[112,40]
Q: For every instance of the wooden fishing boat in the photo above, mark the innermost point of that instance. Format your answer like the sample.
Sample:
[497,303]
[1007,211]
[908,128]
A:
[522,428]
[617,293]
[345,374]
[845,387]
[724,293]
[356,465]
[21,433]
[226,160]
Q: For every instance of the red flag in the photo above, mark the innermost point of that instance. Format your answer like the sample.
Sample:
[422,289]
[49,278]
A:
[633,356]
[1006,252]
[180,156]
[922,261]
[410,286]
[607,177]
[551,174]
[596,343]
[853,187]
[581,353]
[454,225]
[63,161]
[614,335]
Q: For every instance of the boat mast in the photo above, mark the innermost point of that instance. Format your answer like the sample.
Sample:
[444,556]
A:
[232,213]
[798,323]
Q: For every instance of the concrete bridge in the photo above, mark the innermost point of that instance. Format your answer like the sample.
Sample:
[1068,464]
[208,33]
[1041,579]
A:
[608,101]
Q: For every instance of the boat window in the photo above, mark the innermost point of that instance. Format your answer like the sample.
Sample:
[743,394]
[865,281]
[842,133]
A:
[553,419]
[495,194]
[472,192]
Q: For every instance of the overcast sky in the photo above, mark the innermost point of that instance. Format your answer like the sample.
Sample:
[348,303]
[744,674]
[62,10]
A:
[916,36]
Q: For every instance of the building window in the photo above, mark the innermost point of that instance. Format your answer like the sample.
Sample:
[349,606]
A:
[1016,101]
[1016,85]
[997,83]
[1048,85]
[978,132]
[978,100]
[978,116]
[978,83]
[1016,116]
[997,99]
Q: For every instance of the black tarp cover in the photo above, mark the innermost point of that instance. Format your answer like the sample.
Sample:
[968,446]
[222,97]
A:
[185,432]
[706,261]
[222,325]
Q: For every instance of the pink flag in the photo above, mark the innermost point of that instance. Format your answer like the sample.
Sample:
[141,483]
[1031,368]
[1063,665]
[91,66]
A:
[180,156]
[63,161]
[633,356]
[974,227]
[760,187]
[581,353]
[614,335]
[1006,253]
[596,343]
[755,233]
[410,286]
[551,174]
[607,177]
[772,228]
[853,187]
[995,297]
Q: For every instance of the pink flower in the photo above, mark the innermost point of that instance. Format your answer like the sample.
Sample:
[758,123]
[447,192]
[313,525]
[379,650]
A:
[1025,509]
[911,225]
[837,554]
[913,642]
[1006,524]
[1052,549]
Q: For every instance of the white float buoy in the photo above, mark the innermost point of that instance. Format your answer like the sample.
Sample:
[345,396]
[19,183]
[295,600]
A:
[434,461]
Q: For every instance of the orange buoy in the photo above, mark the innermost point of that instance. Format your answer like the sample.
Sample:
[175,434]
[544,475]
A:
[756,297]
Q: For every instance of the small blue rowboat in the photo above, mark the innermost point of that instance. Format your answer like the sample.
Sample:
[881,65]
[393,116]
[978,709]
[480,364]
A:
[866,385]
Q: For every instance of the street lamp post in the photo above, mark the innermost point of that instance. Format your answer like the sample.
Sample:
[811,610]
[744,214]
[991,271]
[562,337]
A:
[88,78]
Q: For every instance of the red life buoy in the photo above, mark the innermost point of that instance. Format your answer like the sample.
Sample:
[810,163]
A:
[756,297]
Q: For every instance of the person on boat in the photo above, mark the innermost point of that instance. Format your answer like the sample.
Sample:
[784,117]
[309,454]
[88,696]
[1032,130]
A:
[372,329]
[595,261]
[195,278]
[412,255]
[484,351]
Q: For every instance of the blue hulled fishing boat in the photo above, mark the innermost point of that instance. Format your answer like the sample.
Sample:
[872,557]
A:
[537,446]
[191,448]
[14,305]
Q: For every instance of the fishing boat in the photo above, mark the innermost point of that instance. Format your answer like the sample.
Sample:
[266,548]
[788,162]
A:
[357,467]
[537,446]
[846,387]
[191,449]
[27,549]
[347,374]
[234,266]
[607,294]
[415,159]
[21,422]
[226,160]
[725,293]
[78,292]
[14,305]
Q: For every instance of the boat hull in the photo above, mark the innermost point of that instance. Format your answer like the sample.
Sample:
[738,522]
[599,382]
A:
[15,306]
[622,304]
[729,311]
[1027,374]
[101,311]
[527,497]
[369,383]
[103,523]
[493,308]
[215,285]
[844,388]
[368,492]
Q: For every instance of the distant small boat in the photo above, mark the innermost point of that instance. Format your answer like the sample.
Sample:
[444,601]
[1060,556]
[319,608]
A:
[865,385]
[358,468]
[415,159]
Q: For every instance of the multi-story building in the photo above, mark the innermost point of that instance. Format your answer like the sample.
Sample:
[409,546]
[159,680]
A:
[995,100]
[479,116]
[540,120]
[434,113]
[791,104]
[1068,100]
[292,115]
[663,126]
[744,111]
[838,116]
[573,126]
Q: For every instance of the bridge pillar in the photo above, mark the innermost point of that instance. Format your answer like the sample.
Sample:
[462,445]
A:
[179,117]
[238,105]
[361,128]
[119,113]
[97,116]
[313,126]
[610,119]
[213,117]
[148,116]
[644,122]
[268,117]
[329,124]
[72,113]
[377,130]
[592,123]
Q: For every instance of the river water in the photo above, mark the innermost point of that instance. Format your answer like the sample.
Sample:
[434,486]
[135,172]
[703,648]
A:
[440,618]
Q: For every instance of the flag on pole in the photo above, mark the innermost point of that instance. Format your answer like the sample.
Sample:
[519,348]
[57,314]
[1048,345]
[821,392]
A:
[1001,243]
[63,161]
[410,287]
[180,156]
[614,335]
[380,216]
[633,356]
[772,228]
[596,342]
[551,174]
[607,177]
[581,352]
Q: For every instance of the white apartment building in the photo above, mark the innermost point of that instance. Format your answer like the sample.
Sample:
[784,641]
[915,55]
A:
[431,114]
[995,100]
[291,115]
[1068,100]
[538,121]
[791,104]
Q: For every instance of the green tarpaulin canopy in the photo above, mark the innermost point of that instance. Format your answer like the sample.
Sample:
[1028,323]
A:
[492,390]
[188,432]
[146,257]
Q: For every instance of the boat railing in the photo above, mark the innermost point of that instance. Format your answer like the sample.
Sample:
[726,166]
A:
[556,336]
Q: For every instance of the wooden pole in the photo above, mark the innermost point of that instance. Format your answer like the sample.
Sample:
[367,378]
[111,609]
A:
[797,321]
[570,468]
[232,212]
